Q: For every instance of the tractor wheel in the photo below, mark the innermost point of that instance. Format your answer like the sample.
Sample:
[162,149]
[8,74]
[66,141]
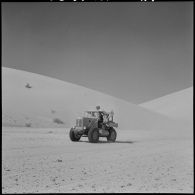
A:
[74,137]
[112,135]
[93,135]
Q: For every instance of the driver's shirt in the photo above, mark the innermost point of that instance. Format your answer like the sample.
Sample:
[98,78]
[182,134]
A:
[100,117]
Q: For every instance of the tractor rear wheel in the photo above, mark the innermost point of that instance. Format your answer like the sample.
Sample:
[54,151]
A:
[73,136]
[112,135]
[93,135]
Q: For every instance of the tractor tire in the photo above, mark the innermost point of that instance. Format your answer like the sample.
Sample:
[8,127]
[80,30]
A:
[112,135]
[73,137]
[93,135]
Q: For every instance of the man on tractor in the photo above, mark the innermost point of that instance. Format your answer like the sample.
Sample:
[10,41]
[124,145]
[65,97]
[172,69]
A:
[100,117]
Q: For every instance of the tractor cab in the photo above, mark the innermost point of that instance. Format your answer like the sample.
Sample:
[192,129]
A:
[91,114]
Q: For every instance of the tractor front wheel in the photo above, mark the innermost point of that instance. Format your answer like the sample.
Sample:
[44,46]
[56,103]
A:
[73,136]
[112,135]
[93,135]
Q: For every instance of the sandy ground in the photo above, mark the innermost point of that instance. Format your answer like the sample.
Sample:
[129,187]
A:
[46,161]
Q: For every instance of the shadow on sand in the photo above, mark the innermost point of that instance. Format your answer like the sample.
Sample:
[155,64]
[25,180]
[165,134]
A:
[107,142]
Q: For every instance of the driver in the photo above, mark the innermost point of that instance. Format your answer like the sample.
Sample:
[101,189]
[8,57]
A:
[101,119]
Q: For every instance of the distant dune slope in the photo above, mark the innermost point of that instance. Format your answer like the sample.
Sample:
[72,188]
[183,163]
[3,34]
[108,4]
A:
[178,105]
[30,99]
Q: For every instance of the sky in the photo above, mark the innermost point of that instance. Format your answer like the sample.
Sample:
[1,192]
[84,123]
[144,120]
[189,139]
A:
[136,51]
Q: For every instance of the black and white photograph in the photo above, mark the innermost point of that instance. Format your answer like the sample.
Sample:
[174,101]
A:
[97,97]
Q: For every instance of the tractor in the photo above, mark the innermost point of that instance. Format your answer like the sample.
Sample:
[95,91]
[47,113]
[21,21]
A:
[94,124]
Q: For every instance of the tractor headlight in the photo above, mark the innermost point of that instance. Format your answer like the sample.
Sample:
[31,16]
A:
[84,127]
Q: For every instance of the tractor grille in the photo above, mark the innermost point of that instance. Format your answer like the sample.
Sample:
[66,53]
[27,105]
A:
[79,122]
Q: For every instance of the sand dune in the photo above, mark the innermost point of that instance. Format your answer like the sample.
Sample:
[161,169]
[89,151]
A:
[48,99]
[178,105]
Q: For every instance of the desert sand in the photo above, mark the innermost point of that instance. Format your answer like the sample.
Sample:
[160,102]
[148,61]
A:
[153,151]
[177,105]
[39,160]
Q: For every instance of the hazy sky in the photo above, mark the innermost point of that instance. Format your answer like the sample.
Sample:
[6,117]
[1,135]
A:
[135,51]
